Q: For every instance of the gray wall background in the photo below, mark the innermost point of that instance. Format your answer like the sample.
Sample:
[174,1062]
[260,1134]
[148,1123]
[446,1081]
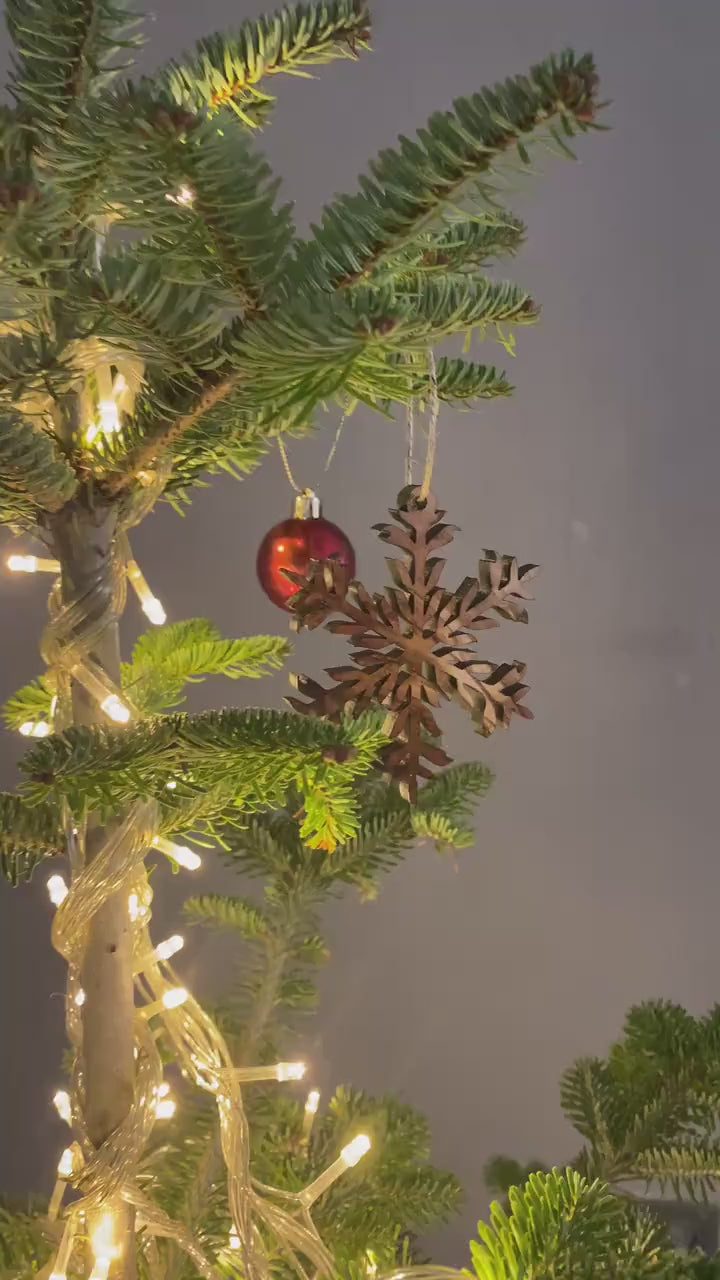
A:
[467,988]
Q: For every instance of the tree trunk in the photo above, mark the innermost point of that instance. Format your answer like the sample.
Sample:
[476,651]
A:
[83,541]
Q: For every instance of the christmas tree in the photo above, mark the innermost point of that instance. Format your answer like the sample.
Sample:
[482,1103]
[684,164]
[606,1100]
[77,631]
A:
[162,321]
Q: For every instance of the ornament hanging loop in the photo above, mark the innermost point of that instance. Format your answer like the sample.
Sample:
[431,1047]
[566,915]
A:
[328,462]
[431,452]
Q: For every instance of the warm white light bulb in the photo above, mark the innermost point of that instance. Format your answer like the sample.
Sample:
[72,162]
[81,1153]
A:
[61,1102]
[187,858]
[109,417]
[183,195]
[66,1162]
[171,785]
[355,1150]
[164,1108]
[180,853]
[234,1239]
[32,564]
[22,564]
[290,1071]
[173,998]
[170,947]
[163,1089]
[57,889]
[35,729]
[80,997]
[104,1247]
[154,611]
[116,709]
[312,1102]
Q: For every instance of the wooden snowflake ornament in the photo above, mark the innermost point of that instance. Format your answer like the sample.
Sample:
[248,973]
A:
[413,641]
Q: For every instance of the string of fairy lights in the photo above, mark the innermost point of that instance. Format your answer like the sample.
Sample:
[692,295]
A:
[105,1179]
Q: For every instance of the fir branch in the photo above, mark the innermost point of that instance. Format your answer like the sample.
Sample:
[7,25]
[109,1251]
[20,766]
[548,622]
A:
[224,70]
[32,702]
[166,659]
[229,231]
[350,341]
[460,381]
[460,246]
[651,1109]
[24,1246]
[34,475]
[453,792]
[270,845]
[113,154]
[227,912]
[34,371]
[65,50]
[215,386]
[453,160]
[692,1170]
[221,761]
[28,835]
[559,1224]
[131,304]
[445,833]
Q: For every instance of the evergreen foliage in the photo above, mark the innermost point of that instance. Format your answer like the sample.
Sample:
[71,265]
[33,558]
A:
[648,1114]
[164,661]
[239,330]
[560,1226]
[24,1248]
[224,762]
[650,1110]
[34,476]
[28,834]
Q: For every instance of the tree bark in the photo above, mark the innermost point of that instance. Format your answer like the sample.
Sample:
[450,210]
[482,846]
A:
[83,541]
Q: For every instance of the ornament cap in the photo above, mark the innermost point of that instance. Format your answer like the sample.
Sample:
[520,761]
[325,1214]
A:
[307,506]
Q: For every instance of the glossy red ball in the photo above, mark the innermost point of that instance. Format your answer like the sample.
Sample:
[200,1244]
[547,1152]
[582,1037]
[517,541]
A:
[294,544]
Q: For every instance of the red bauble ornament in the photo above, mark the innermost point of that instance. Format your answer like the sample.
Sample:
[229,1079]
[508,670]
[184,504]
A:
[294,544]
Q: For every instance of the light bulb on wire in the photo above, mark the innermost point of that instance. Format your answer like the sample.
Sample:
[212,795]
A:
[115,708]
[350,1155]
[152,607]
[174,997]
[281,1071]
[57,890]
[61,1102]
[179,853]
[35,729]
[32,564]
